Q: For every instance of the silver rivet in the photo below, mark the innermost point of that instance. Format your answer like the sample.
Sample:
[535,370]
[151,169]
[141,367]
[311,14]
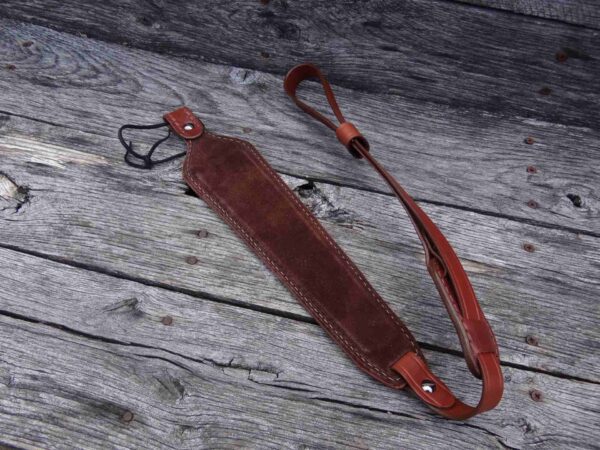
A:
[188,126]
[428,386]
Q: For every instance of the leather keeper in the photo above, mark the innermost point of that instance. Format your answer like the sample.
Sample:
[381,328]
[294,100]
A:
[481,337]
[347,133]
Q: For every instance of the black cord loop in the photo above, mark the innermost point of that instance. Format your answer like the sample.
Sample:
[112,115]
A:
[147,161]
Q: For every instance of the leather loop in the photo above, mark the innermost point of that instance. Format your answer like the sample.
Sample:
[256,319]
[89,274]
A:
[475,335]
[436,394]
[346,132]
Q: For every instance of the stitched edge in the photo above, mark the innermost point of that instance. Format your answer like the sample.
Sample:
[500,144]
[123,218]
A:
[319,228]
[321,315]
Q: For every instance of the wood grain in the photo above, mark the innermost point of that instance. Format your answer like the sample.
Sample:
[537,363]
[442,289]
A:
[447,156]
[578,12]
[93,210]
[80,349]
[442,53]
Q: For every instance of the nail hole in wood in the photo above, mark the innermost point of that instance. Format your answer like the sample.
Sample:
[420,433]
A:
[191,260]
[532,340]
[536,395]
[530,248]
[127,417]
[561,56]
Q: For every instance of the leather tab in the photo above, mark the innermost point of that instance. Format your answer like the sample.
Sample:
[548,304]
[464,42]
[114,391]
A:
[347,134]
[184,123]
[415,371]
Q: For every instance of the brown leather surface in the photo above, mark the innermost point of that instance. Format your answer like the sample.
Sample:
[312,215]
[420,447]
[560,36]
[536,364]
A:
[234,179]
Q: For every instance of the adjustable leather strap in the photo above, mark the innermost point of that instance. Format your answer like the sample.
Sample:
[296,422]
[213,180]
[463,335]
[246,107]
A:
[476,337]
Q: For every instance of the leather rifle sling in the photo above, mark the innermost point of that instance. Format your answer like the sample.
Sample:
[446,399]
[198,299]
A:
[475,335]
[233,178]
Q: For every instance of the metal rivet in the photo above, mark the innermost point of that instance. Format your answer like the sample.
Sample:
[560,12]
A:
[191,260]
[528,248]
[188,126]
[529,140]
[531,169]
[532,340]
[532,204]
[127,417]
[428,386]
[536,395]
[202,234]
[167,320]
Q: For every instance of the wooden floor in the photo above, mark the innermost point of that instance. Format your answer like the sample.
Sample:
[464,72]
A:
[486,111]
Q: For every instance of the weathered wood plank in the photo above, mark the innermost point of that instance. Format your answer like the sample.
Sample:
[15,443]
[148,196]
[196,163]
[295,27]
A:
[448,155]
[579,12]
[438,52]
[224,376]
[93,210]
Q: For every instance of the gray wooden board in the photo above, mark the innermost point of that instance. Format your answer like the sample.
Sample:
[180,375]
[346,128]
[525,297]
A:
[578,12]
[438,52]
[90,209]
[81,348]
[445,92]
[444,155]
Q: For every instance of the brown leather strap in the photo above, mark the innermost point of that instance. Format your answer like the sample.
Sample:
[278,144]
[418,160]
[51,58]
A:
[476,337]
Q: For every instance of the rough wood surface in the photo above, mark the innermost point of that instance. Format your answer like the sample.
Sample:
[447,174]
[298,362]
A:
[443,155]
[91,209]
[110,338]
[80,349]
[578,12]
[437,52]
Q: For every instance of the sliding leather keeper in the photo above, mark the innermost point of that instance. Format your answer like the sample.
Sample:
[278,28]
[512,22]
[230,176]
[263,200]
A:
[235,180]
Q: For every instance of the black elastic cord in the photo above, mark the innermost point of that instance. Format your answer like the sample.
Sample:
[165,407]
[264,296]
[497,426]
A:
[147,163]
